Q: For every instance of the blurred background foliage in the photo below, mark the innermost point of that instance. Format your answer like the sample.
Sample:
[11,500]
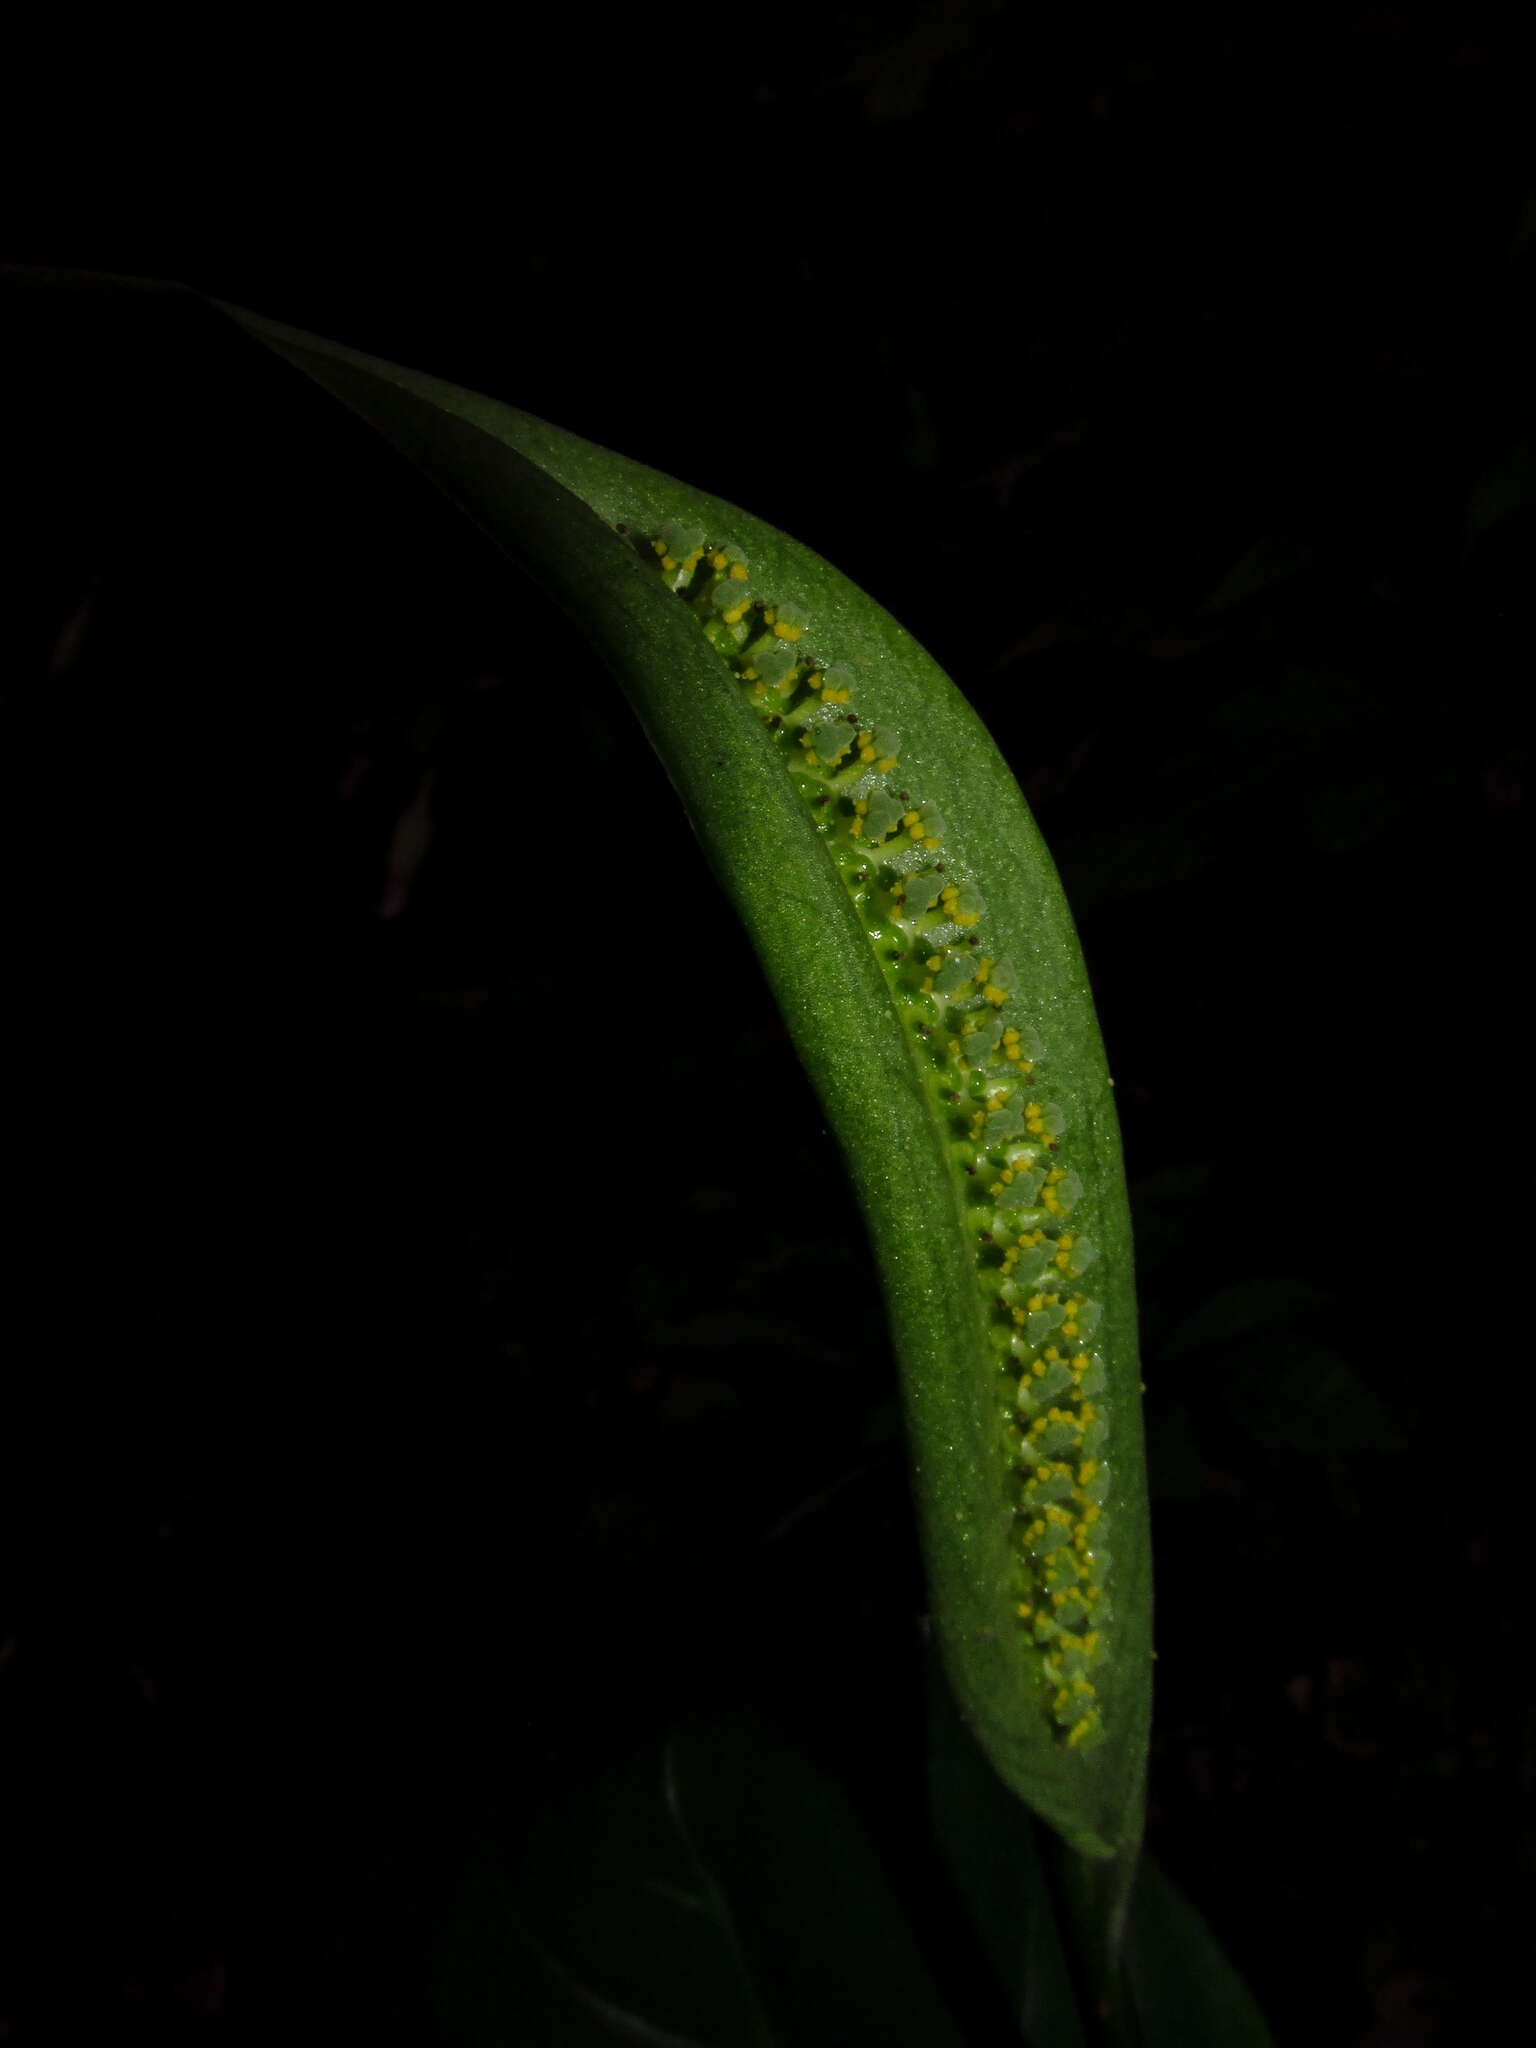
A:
[445,1355]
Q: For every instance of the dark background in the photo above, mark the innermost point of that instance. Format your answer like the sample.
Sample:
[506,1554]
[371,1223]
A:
[417,1378]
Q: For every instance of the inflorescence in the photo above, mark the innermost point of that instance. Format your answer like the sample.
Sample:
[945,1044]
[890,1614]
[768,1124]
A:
[987,1073]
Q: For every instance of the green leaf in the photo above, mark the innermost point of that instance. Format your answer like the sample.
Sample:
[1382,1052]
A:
[714,1888]
[934,1122]
[1173,1987]
[821,1933]
[989,1848]
[569,513]
[1183,1990]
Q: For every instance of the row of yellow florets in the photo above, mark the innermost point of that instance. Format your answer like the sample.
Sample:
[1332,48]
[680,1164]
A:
[1058,1538]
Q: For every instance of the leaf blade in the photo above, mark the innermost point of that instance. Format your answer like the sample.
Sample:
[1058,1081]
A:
[557,505]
